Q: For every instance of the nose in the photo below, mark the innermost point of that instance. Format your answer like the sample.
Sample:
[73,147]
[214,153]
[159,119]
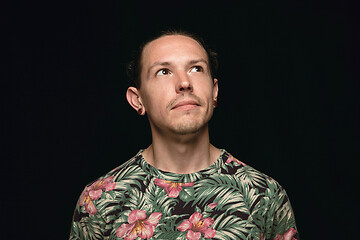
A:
[183,84]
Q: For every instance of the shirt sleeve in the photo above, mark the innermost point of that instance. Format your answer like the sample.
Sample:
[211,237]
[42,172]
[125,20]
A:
[280,219]
[85,225]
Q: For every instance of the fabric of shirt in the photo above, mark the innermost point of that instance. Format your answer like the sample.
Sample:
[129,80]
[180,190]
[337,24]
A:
[227,200]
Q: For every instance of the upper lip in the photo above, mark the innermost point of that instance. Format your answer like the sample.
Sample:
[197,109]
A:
[185,102]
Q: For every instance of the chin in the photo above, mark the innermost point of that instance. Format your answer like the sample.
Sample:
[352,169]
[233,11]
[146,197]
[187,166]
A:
[189,124]
[186,131]
[188,128]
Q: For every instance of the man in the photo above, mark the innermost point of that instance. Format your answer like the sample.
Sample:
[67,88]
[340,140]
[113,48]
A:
[181,186]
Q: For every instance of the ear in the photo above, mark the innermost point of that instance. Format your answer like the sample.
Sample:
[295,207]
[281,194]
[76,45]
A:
[215,89]
[134,99]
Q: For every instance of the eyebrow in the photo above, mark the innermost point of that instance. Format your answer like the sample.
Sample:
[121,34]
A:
[197,61]
[169,63]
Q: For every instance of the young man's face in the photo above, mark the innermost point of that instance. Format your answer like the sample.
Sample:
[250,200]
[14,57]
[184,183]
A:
[177,90]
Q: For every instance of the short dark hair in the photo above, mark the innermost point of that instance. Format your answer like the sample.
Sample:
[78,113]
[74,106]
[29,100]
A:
[134,66]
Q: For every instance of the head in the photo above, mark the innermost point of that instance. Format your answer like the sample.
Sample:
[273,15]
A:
[134,67]
[174,84]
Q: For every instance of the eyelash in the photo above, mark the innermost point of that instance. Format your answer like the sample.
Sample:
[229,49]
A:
[201,69]
[163,69]
[167,71]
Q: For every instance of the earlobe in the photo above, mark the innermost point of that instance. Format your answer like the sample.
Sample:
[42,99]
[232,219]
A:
[134,99]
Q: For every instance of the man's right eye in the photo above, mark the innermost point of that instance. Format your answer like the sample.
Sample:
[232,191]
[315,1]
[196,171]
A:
[162,72]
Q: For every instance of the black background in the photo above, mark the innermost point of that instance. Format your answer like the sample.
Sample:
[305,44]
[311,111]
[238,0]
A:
[288,102]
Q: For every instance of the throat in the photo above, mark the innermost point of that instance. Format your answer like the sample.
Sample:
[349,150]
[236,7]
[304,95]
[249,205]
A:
[181,161]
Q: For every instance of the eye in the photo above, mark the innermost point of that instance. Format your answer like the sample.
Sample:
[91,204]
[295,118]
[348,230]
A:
[197,69]
[162,72]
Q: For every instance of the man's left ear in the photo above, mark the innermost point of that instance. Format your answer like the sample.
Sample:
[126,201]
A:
[215,89]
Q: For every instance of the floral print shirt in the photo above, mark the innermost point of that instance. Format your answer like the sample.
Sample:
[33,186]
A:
[228,200]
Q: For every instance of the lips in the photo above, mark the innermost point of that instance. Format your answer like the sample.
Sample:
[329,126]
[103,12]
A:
[186,104]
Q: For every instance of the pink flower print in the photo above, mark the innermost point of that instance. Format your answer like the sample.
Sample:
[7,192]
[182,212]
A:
[93,192]
[196,225]
[231,159]
[212,205]
[172,188]
[139,225]
[89,205]
[288,235]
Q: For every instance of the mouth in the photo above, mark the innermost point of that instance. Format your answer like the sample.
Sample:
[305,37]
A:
[186,105]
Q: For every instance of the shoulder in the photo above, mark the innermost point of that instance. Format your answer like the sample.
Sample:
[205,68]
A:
[250,176]
[266,194]
[116,174]
[111,185]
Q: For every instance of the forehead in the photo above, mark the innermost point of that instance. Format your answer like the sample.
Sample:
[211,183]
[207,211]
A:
[172,48]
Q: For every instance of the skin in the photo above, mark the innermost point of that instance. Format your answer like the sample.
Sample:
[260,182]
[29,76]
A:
[177,93]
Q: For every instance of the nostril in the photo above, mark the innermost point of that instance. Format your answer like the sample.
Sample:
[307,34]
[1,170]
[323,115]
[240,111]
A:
[185,88]
[184,85]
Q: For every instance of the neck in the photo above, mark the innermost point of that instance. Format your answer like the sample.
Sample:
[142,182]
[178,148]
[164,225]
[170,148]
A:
[181,154]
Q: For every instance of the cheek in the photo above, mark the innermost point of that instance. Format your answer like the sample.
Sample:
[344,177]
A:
[205,91]
[156,100]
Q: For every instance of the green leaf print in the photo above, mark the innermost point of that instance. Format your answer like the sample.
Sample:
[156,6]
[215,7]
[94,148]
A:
[91,229]
[230,227]
[158,199]
[250,176]
[187,194]
[132,176]
[227,201]
[169,235]
[230,193]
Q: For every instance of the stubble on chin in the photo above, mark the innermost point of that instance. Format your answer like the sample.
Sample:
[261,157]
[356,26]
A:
[187,124]
[186,128]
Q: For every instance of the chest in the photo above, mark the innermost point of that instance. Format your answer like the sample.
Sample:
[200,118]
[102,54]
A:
[161,209]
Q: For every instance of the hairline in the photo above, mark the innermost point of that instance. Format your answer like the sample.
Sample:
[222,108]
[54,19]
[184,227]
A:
[184,34]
